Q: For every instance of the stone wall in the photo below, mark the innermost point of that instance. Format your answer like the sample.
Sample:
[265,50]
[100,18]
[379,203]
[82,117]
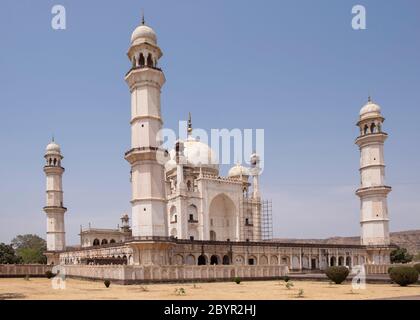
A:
[21,270]
[147,274]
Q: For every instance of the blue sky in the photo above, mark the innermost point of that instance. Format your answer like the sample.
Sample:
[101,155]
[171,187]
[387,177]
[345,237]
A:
[294,68]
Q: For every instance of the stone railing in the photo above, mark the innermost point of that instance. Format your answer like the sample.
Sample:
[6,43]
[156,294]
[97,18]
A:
[145,274]
[378,268]
[21,270]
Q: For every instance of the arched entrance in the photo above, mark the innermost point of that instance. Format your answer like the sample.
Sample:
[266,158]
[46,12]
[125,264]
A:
[222,216]
[214,260]
[226,260]
[332,261]
[341,261]
[348,261]
[212,235]
[202,260]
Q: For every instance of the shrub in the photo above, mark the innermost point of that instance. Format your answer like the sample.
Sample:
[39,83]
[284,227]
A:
[389,269]
[301,293]
[337,274]
[286,278]
[180,292]
[237,280]
[107,283]
[404,275]
[49,274]
[417,267]
[289,285]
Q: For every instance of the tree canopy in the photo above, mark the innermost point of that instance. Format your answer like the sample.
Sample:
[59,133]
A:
[30,248]
[8,254]
[401,255]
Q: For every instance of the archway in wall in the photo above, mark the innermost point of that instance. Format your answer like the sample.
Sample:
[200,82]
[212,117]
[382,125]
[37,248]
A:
[226,260]
[96,242]
[202,260]
[332,261]
[341,261]
[214,260]
[348,261]
[213,235]
[222,213]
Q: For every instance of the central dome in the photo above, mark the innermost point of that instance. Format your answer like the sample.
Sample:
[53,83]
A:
[143,34]
[197,154]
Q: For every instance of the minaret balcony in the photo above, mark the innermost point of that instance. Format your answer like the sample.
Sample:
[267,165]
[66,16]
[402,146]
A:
[374,190]
[147,75]
[147,154]
[143,67]
[54,209]
[371,138]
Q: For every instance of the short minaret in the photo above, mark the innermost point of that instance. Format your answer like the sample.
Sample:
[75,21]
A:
[373,192]
[146,156]
[54,207]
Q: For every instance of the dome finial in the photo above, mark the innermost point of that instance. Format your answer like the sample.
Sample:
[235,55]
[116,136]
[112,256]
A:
[369,98]
[142,16]
[52,138]
[189,124]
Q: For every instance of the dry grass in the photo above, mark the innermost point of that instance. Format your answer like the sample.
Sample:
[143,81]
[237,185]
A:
[40,289]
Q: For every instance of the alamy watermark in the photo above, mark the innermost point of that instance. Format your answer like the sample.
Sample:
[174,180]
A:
[359,19]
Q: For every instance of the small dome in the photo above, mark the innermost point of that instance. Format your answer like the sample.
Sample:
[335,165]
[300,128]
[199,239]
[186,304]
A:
[143,34]
[53,148]
[370,108]
[238,171]
[170,164]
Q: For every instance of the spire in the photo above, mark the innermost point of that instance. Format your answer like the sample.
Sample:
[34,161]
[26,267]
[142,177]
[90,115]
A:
[52,138]
[142,16]
[189,124]
[369,99]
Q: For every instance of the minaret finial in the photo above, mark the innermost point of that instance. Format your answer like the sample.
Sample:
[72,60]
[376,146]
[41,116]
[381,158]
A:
[189,124]
[369,98]
[52,138]
[142,16]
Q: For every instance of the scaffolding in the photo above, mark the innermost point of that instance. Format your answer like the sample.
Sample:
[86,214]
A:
[256,220]
[266,220]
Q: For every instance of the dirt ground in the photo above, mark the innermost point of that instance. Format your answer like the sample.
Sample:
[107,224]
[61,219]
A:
[41,289]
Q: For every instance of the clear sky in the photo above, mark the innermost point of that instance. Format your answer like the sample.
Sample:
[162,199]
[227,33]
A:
[294,68]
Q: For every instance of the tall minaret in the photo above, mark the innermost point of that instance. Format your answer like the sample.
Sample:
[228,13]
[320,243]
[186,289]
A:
[373,192]
[146,157]
[54,208]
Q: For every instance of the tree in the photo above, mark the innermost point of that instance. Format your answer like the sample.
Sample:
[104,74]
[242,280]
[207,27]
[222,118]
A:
[30,248]
[8,254]
[401,255]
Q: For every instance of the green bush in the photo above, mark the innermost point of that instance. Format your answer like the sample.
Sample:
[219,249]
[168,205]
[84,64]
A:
[417,267]
[404,275]
[390,269]
[286,278]
[49,274]
[237,280]
[337,274]
[107,283]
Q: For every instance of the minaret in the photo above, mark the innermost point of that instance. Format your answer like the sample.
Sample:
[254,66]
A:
[54,207]
[374,220]
[146,157]
[255,173]
[256,196]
